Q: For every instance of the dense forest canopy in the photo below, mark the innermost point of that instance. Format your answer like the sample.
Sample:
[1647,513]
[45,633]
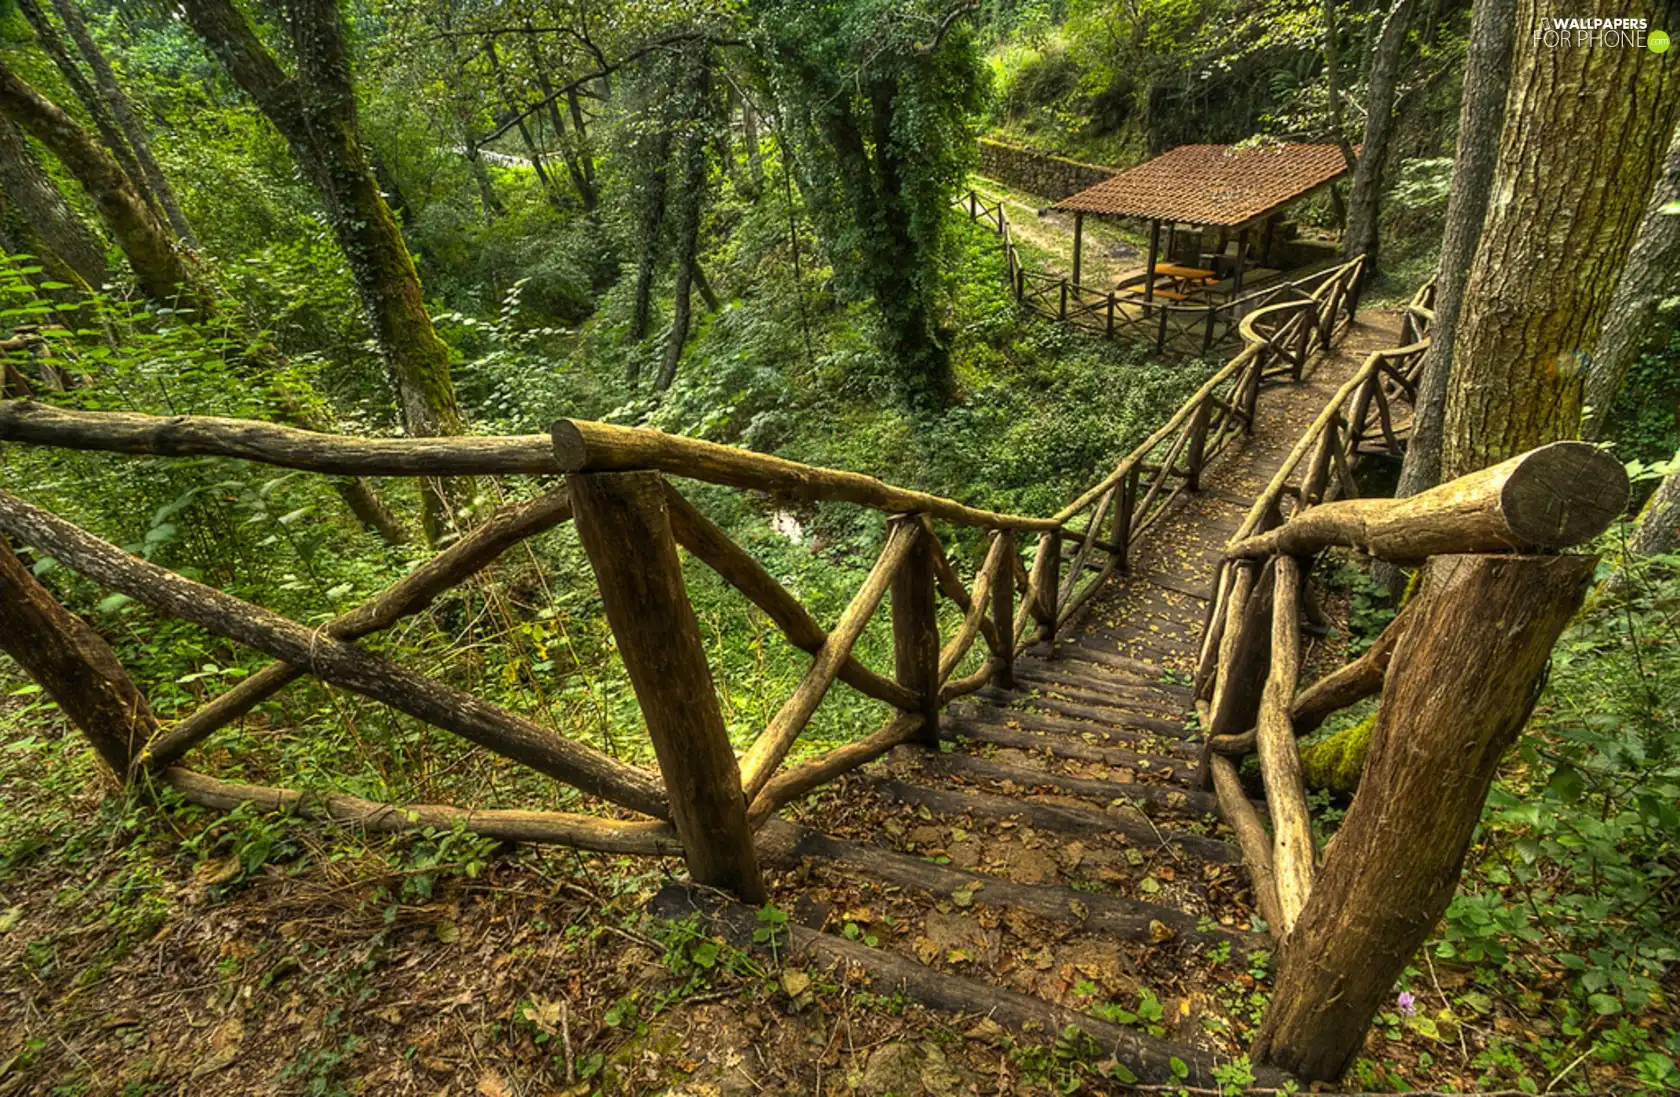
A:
[768,224]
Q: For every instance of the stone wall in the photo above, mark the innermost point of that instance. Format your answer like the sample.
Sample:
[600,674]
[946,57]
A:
[1052,177]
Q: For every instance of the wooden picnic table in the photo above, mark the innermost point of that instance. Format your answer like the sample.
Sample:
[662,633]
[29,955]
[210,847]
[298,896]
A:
[1183,281]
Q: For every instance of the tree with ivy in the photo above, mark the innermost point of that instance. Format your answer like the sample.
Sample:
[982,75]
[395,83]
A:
[879,99]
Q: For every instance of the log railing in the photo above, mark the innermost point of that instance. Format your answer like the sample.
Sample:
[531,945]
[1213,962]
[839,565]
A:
[1455,673]
[1182,329]
[621,490]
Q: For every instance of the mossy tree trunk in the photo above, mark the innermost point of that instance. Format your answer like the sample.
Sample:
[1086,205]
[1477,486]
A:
[41,221]
[1585,133]
[315,111]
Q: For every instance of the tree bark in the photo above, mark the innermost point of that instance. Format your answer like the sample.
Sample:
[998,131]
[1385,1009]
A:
[73,663]
[316,113]
[1365,194]
[163,273]
[52,231]
[1585,133]
[1462,683]
[1480,120]
[123,111]
[691,203]
[1651,276]
[116,144]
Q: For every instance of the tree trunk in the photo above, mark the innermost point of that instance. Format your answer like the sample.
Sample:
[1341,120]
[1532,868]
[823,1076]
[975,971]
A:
[692,200]
[1480,119]
[163,273]
[653,188]
[66,246]
[1461,685]
[1365,196]
[1332,77]
[123,111]
[755,154]
[1585,133]
[581,183]
[316,113]
[532,152]
[115,143]
[73,664]
[1652,275]
[585,157]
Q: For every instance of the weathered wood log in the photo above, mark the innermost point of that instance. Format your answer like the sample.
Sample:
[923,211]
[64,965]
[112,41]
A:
[407,596]
[1046,583]
[951,584]
[1552,497]
[1293,854]
[73,663]
[701,536]
[962,687]
[915,619]
[334,661]
[1461,684]
[791,784]
[759,764]
[1003,610]
[1243,648]
[584,446]
[980,604]
[504,824]
[626,532]
[286,447]
[1337,690]
[1239,814]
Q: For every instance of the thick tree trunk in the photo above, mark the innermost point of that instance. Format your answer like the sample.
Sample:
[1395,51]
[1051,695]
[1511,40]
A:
[66,246]
[1651,276]
[1585,133]
[123,111]
[73,664]
[1480,119]
[316,113]
[1463,680]
[1365,195]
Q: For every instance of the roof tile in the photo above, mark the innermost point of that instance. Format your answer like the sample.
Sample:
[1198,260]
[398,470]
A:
[1212,184]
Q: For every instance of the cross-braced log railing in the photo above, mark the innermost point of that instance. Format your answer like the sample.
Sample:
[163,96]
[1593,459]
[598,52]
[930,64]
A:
[704,801]
[1455,672]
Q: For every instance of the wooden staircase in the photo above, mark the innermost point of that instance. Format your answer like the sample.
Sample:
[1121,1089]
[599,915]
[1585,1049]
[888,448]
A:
[1055,862]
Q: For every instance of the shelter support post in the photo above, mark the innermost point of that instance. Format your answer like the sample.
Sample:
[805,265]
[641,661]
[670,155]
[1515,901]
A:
[1078,246]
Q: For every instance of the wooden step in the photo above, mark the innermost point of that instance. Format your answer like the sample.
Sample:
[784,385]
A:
[1057,675]
[1065,818]
[1156,709]
[971,770]
[993,715]
[1095,649]
[1115,715]
[1089,911]
[1149,1058]
[1179,770]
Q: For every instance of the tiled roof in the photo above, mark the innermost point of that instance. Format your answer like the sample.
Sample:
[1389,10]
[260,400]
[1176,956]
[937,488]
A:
[1212,184]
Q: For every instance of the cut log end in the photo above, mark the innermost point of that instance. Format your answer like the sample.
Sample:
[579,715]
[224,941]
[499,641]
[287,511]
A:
[570,450]
[1564,494]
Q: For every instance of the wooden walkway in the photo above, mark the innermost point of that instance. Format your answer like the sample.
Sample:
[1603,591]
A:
[1055,864]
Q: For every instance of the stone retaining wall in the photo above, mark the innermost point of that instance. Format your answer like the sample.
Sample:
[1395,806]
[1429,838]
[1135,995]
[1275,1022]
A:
[1052,177]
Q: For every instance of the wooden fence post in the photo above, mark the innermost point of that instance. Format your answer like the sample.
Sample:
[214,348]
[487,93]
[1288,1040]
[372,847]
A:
[1207,332]
[915,619]
[1047,578]
[1161,336]
[1061,310]
[1108,331]
[626,531]
[1458,690]
[1003,611]
[1124,507]
[1197,451]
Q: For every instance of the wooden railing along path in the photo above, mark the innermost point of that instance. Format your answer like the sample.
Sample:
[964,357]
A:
[703,802]
[1182,329]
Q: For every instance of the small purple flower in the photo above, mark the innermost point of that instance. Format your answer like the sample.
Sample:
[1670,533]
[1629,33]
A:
[1407,1003]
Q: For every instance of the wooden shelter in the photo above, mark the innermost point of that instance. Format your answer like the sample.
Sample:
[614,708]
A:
[1230,187]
